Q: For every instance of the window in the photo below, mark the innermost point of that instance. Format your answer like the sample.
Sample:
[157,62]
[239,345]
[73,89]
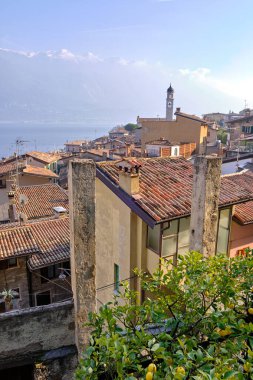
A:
[223,231]
[54,271]
[184,236]
[43,298]
[12,262]
[169,239]
[176,238]
[2,183]
[49,273]
[154,238]
[7,264]
[116,277]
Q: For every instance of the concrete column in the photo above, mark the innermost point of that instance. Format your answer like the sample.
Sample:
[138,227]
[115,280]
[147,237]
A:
[205,201]
[82,175]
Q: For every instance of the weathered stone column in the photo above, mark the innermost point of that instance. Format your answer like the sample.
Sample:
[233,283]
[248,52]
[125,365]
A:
[82,175]
[205,201]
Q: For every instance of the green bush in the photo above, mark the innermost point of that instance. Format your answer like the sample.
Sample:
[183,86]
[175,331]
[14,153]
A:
[196,324]
[130,127]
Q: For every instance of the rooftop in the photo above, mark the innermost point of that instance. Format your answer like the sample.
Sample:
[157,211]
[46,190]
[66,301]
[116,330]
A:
[244,213]
[166,186]
[53,239]
[76,142]
[47,241]
[17,241]
[42,172]
[41,199]
[11,166]
[163,141]
[47,158]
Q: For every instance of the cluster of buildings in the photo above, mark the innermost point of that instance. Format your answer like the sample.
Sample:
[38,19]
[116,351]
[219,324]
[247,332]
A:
[76,223]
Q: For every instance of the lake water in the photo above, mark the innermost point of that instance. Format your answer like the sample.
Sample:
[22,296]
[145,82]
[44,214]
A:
[45,137]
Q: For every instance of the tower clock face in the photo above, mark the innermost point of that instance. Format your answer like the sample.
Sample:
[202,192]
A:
[169,104]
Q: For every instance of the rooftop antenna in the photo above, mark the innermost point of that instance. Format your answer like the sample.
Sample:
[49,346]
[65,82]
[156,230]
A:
[245,104]
[19,143]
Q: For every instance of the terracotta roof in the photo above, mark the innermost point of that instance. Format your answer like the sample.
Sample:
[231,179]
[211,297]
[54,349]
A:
[34,170]
[162,141]
[76,142]
[192,117]
[166,186]
[6,167]
[17,241]
[47,158]
[53,239]
[40,200]
[47,241]
[241,119]
[244,213]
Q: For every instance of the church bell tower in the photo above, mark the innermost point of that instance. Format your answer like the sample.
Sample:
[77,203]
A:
[169,103]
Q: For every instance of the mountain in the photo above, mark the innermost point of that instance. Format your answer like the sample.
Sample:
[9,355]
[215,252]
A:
[56,86]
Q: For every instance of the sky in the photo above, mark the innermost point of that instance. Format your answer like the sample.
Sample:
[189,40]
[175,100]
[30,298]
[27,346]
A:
[204,48]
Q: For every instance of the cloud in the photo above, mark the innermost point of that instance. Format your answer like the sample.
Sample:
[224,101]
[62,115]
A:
[228,83]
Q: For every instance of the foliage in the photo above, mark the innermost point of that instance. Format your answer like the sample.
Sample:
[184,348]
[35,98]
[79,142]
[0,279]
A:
[222,136]
[130,127]
[8,294]
[196,324]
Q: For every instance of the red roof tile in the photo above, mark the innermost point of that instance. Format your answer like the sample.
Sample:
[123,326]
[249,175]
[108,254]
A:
[17,241]
[166,186]
[46,241]
[47,158]
[244,213]
[53,239]
[34,170]
[40,200]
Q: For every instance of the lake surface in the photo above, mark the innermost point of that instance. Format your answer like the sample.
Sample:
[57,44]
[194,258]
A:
[45,137]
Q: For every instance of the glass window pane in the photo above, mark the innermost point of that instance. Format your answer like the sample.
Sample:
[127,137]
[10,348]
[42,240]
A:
[169,245]
[184,233]
[224,217]
[154,238]
[172,229]
[222,242]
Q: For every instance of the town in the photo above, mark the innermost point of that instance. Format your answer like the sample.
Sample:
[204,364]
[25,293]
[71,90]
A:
[75,223]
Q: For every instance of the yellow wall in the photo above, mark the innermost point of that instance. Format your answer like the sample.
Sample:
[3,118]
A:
[179,130]
[120,239]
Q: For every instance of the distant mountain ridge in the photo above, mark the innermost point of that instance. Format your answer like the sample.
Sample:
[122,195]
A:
[57,86]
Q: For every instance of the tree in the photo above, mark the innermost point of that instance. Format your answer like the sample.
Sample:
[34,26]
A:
[197,323]
[222,136]
[130,127]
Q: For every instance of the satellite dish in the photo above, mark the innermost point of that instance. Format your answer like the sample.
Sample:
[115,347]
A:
[23,199]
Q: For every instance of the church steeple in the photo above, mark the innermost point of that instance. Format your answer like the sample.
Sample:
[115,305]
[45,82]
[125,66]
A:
[169,103]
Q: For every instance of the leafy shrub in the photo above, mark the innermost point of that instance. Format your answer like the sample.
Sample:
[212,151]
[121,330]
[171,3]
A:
[197,323]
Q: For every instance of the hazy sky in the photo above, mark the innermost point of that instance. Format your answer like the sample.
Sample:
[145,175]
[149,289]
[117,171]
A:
[204,47]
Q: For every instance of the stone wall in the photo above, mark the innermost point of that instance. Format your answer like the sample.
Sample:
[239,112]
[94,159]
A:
[27,335]
[16,277]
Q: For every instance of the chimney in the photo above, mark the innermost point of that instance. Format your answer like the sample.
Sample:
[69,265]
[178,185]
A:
[127,154]
[12,211]
[178,109]
[205,201]
[129,176]
[59,212]
[104,155]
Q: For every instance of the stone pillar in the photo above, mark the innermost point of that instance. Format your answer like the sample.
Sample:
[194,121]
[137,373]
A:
[82,175]
[205,201]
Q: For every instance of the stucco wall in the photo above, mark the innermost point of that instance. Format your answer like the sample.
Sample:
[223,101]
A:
[25,333]
[112,239]
[179,130]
